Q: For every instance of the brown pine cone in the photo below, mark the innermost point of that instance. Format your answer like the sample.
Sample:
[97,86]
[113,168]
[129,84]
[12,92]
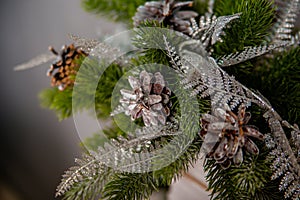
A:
[65,66]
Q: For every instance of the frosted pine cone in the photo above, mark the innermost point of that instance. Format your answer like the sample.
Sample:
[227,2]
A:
[166,12]
[149,99]
[225,134]
[65,66]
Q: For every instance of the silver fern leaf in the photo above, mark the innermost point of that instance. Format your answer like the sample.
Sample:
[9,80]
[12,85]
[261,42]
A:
[210,27]
[119,155]
[122,154]
[295,138]
[85,44]
[249,53]
[285,164]
[207,79]
[282,29]
[34,62]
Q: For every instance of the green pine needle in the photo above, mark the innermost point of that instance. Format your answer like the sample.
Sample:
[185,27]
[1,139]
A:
[250,29]
[58,101]
[116,10]
[251,180]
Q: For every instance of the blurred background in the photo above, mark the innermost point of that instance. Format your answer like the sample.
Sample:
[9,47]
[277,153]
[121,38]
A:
[35,148]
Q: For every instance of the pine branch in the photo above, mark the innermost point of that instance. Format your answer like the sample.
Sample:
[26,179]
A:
[127,186]
[251,28]
[250,180]
[88,188]
[116,10]
[140,186]
[280,84]
[88,168]
[59,101]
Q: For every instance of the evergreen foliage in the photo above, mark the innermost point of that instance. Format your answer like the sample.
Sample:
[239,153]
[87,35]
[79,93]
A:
[251,28]
[275,75]
[117,10]
[281,84]
[58,101]
[250,180]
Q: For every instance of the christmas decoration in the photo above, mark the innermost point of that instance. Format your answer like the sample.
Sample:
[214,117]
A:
[236,55]
[166,12]
[226,134]
[150,99]
[62,70]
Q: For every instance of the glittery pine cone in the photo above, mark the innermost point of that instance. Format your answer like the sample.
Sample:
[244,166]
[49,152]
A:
[149,99]
[226,134]
[65,66]
[166,12]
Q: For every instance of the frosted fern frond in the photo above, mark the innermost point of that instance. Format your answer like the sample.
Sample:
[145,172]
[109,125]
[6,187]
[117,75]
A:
[87,168]
[248,53]
[87,45]
[176,62]
[120,155]
[210,28]
[34,62]
[295,139]
[285,164]
[282,29]
[123,155]
[208,79]
[96,48]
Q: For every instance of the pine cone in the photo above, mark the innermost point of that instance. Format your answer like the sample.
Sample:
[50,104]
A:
[65,66]
[149,99]
[226,134]
[166,12]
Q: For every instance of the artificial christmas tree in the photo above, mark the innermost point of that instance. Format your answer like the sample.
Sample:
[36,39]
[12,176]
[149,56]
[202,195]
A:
[195,68]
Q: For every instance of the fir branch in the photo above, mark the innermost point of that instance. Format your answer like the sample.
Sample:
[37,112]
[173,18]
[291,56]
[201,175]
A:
[251,28]
[181,165]
[140,186]
[88,168]
[201,6]
[250,180]
[280,84]
[59,101]
[128,186]
[116,10]
[88,188]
